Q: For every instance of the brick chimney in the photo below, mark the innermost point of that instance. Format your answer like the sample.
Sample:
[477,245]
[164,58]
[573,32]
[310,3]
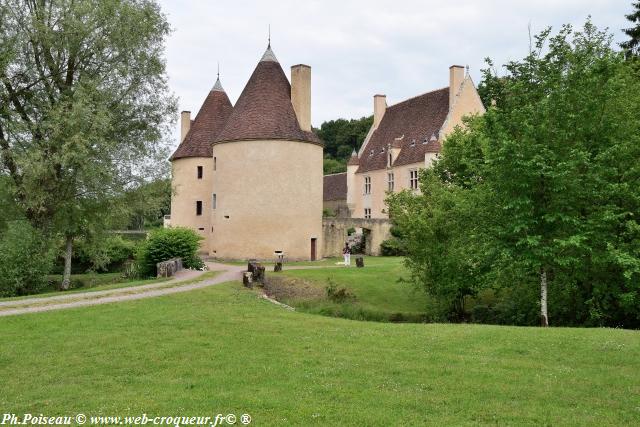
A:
[379,107]
[301,94]
[456,77]
[185,124]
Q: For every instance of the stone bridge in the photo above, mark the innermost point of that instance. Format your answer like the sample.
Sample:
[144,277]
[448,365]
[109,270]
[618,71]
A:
[334,231]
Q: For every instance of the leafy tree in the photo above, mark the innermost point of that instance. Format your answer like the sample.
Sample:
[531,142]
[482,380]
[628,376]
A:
[542,189]
[632,46]
[84,105]
[330,165]
[342,136]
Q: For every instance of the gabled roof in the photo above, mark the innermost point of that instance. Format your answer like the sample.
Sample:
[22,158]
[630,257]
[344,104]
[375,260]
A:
[334,187]
[209,121]
[264,109]
[415,121]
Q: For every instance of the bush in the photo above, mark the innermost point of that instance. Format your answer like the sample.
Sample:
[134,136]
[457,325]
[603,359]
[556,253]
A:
[104,254]
[392,247]
[338,295]
[25,260]
[167,243]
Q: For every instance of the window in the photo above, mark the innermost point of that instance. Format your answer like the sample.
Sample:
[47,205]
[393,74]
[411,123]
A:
[214,201]
[367,213]
[199,207]
[390,181]
[367,185]
[413,179]
[389,161]
[199,172]
[215,160]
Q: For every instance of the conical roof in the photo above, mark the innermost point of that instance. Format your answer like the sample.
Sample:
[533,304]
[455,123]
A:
[264,109]
[209,121]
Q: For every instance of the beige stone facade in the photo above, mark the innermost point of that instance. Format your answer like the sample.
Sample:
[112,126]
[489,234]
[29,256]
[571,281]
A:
[187,191]
[268,199]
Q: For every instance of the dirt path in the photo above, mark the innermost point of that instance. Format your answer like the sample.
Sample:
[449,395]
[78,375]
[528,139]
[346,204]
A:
[83,299]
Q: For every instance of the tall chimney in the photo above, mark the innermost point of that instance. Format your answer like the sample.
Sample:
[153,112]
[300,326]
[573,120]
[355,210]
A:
[185,124]
[456,76]
[379,107]
[301,94]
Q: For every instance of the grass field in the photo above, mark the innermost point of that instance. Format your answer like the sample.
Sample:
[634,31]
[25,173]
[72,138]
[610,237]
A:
[378,293]
[224,350]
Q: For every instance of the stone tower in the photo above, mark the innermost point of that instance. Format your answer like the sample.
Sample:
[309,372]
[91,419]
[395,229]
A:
[192,164]
[267,174]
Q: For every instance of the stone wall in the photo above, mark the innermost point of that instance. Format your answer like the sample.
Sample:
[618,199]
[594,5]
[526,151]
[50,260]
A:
[334,231]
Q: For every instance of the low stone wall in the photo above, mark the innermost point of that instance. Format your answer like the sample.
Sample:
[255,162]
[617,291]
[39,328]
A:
[169,267]
[334,232]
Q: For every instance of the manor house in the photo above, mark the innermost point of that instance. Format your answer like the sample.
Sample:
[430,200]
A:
[404,138]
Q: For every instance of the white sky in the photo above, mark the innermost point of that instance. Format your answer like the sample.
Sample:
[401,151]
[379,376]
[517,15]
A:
[356,49]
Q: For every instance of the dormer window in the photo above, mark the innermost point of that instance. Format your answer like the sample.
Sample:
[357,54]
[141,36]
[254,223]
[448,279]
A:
[413,143]
[371,154]
[382,150]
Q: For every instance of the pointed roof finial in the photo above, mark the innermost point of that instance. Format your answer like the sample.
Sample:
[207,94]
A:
[269,39]
[467,68]
[218,86]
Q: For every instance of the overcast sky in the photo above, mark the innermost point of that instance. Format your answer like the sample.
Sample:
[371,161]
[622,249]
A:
[356,49]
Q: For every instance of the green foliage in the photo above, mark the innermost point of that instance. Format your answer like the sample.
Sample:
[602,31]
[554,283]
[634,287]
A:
[338,294]
[167,243]
[104,253]
[392,247]
[25,259]
[330,165]
[340,138]
[632,46]
[327,213]
[84,109]
[544,181]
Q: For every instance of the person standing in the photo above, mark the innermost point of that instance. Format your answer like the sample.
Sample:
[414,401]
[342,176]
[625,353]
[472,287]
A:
[347,254]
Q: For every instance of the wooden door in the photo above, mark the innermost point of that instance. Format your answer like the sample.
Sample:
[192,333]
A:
[313,249]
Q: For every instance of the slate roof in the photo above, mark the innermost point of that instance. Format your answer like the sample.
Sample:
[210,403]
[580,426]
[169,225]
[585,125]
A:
[264,109]
[334,187]
[208,123]
[414,121]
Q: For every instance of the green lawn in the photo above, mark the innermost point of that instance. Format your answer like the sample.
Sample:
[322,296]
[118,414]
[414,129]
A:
[224,350]
[379,294]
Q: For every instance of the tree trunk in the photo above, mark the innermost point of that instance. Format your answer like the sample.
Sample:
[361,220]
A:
[544,319]
[68,252]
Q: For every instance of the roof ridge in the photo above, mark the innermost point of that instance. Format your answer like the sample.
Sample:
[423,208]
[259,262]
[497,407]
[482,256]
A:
[417,96]
[337,173]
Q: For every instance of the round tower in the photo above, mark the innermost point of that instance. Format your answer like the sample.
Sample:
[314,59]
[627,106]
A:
[192,164]
[267,182]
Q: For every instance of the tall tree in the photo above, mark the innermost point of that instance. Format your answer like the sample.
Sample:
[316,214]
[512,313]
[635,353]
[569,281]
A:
[84,106]
[543,187]
[632,46]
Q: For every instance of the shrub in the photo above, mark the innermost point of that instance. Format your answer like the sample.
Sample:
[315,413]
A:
[104,254]
[392,247]
[25,260]
[338,295]
[167,243]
